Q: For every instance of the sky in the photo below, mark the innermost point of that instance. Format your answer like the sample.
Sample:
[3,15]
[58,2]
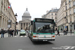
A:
[36,8]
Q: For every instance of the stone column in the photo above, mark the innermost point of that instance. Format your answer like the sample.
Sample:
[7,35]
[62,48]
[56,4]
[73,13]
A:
[2,22]
[22,25]
[25,25]
[6,24]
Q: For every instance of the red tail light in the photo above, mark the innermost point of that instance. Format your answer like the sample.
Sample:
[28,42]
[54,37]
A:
[35,36]
[53,36]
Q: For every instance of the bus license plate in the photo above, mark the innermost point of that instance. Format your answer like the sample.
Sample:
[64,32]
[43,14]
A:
[44,40]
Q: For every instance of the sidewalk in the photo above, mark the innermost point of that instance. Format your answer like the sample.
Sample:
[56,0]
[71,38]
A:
[62,34]
[5,35]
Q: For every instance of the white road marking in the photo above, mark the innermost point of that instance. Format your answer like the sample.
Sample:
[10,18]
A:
[21,36]
[20,49]
[25,36]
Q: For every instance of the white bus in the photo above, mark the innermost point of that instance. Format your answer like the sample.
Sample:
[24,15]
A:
[42,30]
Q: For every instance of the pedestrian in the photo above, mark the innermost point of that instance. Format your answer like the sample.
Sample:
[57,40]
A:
[10,32]
[61,29]
[2,33]
[71,31]
[58,32]
[65,32]
[17,32]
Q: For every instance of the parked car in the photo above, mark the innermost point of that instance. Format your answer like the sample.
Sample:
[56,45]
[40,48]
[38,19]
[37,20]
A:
[22,33]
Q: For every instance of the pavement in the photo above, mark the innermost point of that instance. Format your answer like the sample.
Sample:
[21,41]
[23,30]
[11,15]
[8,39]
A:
[5,35]
[61,34]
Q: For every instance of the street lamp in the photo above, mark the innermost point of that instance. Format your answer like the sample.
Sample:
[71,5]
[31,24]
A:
[15,24]
[9,23]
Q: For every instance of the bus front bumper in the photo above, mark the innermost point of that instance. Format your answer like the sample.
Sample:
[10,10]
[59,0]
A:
[43,40]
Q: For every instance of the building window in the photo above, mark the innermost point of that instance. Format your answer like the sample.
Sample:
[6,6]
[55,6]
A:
[52,17]
[66,7]
[70,19]
[55,14]
[74,26]
[69,1]
[74,18]
[52,14]
[69,5]
[55,17]
[70,12]
[65,3]
[74,10]
[66,13]
[24,24]
[21,25]
[74,3]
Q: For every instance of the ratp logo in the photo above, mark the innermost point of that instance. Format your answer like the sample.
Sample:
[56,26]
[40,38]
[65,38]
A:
[44,36]
[68,47]
[64,47]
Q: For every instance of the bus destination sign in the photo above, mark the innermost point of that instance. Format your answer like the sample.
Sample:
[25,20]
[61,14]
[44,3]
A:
[43,20]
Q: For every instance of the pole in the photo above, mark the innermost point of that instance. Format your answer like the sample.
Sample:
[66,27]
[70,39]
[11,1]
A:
[15,29]
[15,25]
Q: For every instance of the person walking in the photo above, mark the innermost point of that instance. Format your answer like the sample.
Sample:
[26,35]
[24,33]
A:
[2,33]
[17,31]
[71,31]
[58,32]
[65,32]
[10,32]
[61,29]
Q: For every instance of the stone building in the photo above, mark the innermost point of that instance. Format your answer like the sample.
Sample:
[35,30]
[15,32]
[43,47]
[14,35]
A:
[66,15]
[52,14]
[26,19]
[6,14]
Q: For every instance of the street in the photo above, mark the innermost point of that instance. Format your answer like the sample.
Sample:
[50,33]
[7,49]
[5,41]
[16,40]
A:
[24,43]
[37,25]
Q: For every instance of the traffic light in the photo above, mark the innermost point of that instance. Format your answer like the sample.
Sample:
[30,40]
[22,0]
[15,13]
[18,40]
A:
[16,14]
[16,23]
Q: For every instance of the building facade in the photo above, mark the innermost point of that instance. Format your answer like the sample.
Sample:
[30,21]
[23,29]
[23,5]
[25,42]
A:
[66,15]
[26,19]
[52,14]
[6,14]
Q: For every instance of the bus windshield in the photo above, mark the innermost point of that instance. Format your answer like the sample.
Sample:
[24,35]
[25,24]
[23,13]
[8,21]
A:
[44,27]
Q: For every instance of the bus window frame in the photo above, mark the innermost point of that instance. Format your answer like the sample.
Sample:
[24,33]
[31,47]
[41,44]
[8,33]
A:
[42,22]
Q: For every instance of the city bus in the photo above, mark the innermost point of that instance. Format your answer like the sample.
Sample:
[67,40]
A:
[42,29]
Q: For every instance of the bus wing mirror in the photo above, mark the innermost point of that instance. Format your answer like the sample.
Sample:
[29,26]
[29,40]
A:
[55,24]
[31,22]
